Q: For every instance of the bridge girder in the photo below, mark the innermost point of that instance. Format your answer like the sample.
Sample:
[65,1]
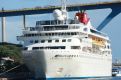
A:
[115,6]
[114,13]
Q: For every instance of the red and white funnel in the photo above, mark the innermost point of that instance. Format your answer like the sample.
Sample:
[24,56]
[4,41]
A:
[82,17]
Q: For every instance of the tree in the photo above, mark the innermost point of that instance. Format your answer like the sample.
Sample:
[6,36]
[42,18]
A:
[13,52]
[10,51]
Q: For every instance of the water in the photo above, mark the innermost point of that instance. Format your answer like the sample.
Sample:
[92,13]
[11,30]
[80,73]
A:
[107,78]
[116,78]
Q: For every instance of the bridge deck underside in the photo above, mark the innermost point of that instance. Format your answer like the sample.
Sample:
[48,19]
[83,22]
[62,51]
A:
[115,6]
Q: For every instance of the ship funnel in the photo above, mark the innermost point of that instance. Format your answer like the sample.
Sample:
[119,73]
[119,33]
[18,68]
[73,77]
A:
[82,17]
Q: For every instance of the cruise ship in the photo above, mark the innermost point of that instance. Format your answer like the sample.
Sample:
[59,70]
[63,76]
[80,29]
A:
[65,48]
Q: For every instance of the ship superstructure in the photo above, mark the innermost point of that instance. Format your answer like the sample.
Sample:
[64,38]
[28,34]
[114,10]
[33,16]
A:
[65,48]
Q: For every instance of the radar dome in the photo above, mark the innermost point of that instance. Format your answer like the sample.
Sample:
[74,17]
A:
[58,14]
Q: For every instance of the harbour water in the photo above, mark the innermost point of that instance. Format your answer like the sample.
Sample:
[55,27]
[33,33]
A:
[104,78]
[107,78]
[114,78]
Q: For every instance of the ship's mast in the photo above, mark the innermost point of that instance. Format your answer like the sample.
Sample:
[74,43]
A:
[64,10]
[61,15]
[63,4]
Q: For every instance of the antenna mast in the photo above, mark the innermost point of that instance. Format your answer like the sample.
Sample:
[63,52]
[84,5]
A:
[63,4]
[64,10]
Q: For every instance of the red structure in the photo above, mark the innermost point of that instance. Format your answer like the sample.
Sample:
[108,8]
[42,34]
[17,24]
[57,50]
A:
[82,17]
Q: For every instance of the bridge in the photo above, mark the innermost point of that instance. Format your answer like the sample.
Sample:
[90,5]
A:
[49,9]
[114,5]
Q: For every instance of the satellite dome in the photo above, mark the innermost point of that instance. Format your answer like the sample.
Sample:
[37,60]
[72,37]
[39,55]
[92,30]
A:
[58,15]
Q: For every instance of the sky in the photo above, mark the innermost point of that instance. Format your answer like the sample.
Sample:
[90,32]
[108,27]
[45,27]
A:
[14,25]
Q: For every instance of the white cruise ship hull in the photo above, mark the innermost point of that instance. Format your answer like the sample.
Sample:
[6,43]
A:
[61,64]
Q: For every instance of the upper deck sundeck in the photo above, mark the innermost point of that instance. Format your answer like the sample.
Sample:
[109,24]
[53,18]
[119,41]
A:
[54,25]
[55,22]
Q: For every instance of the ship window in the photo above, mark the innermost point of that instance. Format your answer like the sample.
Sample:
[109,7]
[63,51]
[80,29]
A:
[25,48]
[64,40]
[57,47]
[29,35]
[35,48]
[49,47]
[31,41]
[75,47]
[108,46]
[49,34]
[46,34]
[49,41]
[41,47]
[56,40]
[32,34]
[62,33]
[52,34]
[39,34]
[69,40]
[36,41]
[35,34]
[75,33]
[72,33]
[68,33]
[42,41]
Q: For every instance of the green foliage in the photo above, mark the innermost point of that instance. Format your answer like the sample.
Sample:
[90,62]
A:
[10,51]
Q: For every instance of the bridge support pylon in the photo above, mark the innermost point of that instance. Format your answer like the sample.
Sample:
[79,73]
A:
[3,28]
